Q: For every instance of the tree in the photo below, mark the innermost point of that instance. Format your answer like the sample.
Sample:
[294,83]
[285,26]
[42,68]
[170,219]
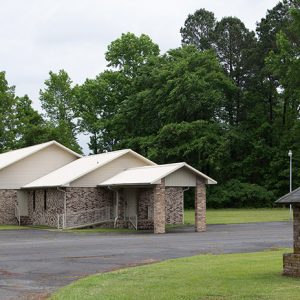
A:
[7,103]
[216,102]
[97,103]
[284,63]
[99,100]
[29,126]
[277,19]
[234,45]
[129,52]
[20,124]
[184,85]
[58,101]
[199,30]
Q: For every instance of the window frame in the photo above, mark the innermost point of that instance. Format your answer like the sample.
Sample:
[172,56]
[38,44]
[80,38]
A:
[45,200]
[33,201]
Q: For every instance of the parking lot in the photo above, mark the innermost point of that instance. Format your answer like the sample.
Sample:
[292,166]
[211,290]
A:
[34,263]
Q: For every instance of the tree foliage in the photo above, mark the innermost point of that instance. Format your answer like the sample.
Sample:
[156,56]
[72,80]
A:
[20,124]
[227,102]
[58,101]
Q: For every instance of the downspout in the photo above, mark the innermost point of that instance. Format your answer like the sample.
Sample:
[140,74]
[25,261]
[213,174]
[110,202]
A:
[65,206]
[183,190]
[117,205]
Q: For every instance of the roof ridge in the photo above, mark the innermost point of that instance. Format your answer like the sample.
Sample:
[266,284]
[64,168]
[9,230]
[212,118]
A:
[19,149]
[104,153]
[157,166]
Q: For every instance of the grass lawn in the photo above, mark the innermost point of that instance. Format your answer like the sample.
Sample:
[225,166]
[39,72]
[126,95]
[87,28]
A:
[227,276]
[100,230]
[12,227]
[16,227]
[231,216]
[214,216]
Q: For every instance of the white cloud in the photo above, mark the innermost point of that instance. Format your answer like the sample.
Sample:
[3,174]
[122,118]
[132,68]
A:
[39,36]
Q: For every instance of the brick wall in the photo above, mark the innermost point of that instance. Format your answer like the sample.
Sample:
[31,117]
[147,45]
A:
[296,228]
[291,264]
[77,200]
[8,199]
[83,204]
[145,200]
[87,198]
[174,205]
[200,205]
[54,206]
[173,210]
[291,261]
[159,208]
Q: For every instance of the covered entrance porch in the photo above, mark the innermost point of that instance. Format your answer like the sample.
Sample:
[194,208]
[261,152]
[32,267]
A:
[151,197]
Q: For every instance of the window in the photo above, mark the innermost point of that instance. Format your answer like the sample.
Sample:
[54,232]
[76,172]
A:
[45,199]
[33,200]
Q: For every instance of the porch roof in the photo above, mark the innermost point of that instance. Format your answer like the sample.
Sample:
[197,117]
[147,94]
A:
[150,175]
[290,198]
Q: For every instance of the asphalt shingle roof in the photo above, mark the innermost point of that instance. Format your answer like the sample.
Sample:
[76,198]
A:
[290,198]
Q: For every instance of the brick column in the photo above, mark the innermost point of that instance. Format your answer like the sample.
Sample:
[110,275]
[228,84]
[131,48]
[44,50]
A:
[159,212]
[291,261]
[200,205]
[296,229]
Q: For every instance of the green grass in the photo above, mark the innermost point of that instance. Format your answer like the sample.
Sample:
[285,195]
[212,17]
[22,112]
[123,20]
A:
[16,227]
[12,227]
[214,216]
[100,230]
[233,216]
[228,276]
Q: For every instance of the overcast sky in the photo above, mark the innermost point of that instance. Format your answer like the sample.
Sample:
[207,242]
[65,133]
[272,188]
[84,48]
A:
[42,35]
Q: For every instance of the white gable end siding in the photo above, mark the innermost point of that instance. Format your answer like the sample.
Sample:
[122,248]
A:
[34,166]
[182,177]
[124,162]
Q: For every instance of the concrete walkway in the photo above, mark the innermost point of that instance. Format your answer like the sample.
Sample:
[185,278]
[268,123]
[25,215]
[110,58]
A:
[33,263]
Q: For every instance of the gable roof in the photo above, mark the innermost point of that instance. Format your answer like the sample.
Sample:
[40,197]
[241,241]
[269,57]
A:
[11,157]
[150,174]
[80,167]
[290,198]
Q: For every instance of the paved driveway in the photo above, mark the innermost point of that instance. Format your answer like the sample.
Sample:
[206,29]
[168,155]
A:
[34,263]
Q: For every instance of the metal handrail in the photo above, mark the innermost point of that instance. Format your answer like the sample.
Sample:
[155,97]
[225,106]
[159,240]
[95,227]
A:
[72,220]
[133,221]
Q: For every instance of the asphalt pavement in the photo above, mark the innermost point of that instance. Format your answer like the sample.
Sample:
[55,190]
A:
[34,263]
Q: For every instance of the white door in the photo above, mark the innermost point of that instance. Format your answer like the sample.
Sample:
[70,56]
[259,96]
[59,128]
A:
[130,197]
[22,197]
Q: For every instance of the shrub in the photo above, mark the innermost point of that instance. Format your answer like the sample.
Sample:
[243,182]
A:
[236,194]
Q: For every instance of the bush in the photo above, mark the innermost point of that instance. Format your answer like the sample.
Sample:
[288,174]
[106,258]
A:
[236,194]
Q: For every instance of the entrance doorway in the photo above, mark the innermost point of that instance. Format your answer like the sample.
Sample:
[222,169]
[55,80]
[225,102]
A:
[22,197]
[130,196]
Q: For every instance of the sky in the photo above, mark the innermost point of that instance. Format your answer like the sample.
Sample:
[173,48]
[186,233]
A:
[42,35]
